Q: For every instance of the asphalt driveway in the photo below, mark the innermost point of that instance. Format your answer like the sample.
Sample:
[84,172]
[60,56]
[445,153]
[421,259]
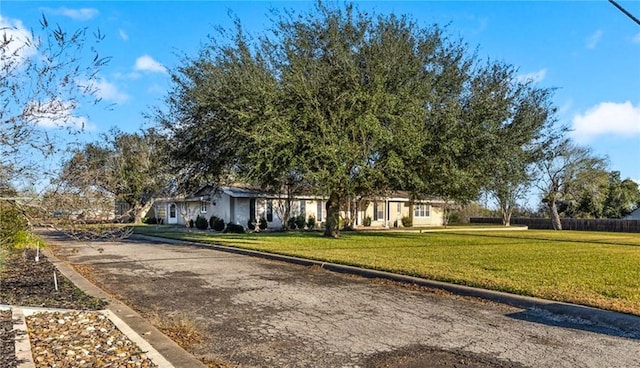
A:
[261,313]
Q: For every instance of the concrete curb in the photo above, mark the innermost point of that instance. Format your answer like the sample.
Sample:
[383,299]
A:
[624,322]
[22,341]
[172,352]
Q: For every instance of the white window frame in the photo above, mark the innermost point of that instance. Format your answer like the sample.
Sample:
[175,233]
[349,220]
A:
[203,206]
[421,210]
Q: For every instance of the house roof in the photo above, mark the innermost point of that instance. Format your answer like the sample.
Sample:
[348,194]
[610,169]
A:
[635,215]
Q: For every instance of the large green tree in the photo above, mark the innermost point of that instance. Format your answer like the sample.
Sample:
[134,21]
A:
[344,103]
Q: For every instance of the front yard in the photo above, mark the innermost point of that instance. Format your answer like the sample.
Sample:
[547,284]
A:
[589,268]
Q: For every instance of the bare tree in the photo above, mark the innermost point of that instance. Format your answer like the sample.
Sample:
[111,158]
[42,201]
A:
[44,77]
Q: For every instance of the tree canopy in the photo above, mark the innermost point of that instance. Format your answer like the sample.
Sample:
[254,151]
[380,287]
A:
[349,104]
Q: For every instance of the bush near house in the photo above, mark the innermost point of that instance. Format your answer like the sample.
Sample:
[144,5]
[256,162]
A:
[291,223]
[263,223]
[216,223]
[234,228]
[367,221]
[301,222]
[311,222]
[407,221]
[251,224]
[202,223]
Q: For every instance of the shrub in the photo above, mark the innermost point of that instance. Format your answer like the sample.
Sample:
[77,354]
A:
[291,223]
[150,220]
[300,221]
[202,223]
[311,222]
[263,223]
[251,224]
[13,223]
[234,228]
[216,223]
[407,221]
[367,221]
[191,223]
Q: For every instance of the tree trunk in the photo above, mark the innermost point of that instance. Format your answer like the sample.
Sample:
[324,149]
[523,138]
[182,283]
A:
[140,211]
[506,215]
[555,217]
[333,211]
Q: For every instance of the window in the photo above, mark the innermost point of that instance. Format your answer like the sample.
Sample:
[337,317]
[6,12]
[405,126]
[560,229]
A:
[172,211]
[421,210]
[303,208]
[320,211]
[378,211]
[203,206]
[270,210]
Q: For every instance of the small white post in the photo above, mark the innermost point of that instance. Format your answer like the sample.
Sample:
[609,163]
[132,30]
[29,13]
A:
[55,280]
[38,253]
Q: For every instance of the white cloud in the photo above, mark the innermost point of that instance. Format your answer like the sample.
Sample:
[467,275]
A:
[77,14]
[607,118]
[104,90]
[18,48]
[147,64]
[533,77]
[109,91]
[636,38]
[123,35]
[56,114]
[594,39]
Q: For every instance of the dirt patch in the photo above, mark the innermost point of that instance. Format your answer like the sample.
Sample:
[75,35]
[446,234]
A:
[430,357]
[25,282]
[7,344]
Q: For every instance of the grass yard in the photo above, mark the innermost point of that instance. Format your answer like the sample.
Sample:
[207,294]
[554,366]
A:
[590,268]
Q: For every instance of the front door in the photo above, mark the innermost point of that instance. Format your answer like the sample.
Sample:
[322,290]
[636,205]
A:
[173,214]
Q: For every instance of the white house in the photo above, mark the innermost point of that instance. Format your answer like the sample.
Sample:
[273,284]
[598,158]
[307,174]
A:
[238,205]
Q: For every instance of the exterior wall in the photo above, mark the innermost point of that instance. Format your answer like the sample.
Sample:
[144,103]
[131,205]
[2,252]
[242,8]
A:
[241,212]
[398,209]
[436,217]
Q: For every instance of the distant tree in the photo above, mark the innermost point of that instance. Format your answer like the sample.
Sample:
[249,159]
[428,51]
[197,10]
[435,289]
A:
[559,170]
[513,120]
[623,196]
[44,78]
[129,166]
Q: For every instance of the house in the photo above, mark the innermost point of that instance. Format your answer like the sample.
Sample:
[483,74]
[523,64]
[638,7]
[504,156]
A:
[635,215]
[238,205]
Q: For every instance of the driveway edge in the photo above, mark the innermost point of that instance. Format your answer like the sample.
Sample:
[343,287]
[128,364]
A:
[171,351]
[600,317]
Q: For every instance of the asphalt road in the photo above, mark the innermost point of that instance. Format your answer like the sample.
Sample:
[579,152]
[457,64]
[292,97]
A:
[261,313]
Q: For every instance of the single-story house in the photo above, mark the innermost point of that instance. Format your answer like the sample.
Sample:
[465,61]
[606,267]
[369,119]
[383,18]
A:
[237,205]
[635,215]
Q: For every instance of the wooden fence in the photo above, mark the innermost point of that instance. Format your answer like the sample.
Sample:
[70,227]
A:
[612,225]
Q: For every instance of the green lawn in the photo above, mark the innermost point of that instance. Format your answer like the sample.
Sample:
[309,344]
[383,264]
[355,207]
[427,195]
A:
[589,268]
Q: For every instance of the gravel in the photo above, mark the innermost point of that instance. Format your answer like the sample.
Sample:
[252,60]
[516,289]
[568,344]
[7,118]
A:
[81,339]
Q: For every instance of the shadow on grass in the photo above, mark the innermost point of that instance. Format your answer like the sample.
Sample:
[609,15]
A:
[583,318]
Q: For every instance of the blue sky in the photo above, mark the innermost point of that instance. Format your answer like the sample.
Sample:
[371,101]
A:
[588,50]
